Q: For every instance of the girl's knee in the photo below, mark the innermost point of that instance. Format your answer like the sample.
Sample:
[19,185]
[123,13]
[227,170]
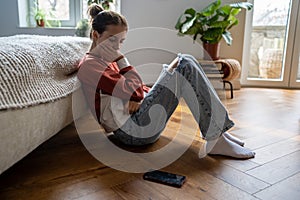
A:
[188,57]
[189,62]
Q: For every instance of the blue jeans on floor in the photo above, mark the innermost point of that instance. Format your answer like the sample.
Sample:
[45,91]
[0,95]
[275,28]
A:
[188,81]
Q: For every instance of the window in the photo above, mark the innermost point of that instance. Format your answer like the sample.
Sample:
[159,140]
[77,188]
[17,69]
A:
[271,50]
[65,13]
[59,9]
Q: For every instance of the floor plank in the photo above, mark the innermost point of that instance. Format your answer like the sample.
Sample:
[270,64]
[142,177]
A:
[202,180]
[268,138]
[241,165]
[138,189]
[70,187]
[278,169]
[277,150]
[188,191]
[288,189]
[230,175]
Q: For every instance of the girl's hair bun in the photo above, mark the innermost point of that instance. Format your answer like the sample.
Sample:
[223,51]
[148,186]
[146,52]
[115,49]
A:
[94,9]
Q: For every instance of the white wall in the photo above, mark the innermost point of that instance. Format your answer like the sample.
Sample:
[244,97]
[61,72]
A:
[164,13]
[140,14]
[8,16]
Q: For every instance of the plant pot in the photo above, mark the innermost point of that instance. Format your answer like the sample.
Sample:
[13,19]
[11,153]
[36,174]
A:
[211,51]
[40,23]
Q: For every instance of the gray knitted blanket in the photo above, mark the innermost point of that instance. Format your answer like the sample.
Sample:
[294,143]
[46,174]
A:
[36,69]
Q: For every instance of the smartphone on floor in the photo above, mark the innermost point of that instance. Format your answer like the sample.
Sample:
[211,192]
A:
[166,178]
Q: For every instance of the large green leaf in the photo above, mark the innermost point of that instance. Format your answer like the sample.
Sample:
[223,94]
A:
[187,25]
[233,22]
[212,35]
[235,11]
[179,23]
[225,10]
[185,20]
[190,11]
[211,8]
[212,20]
[192,30]
[227,37]
[202,19]
[245,5]
[220,24]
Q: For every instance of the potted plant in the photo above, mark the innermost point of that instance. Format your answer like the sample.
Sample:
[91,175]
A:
[82,28]
[103,3]
[211,24]
[40,17]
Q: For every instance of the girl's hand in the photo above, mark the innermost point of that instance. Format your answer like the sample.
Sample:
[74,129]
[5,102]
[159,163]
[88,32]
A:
[106,52]
[173,64]
[132,106]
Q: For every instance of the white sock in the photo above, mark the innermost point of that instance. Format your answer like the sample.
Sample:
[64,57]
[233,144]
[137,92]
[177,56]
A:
[202,151]
[234,139]
[226,147]
[207,147]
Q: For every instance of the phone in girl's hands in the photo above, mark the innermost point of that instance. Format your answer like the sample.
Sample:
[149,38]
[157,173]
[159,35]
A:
[166,178]
[173,64]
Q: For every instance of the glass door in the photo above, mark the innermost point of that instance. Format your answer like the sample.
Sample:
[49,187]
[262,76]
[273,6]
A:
[271,54]
[295,71]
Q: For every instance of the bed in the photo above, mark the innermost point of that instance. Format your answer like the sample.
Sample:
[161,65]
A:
[37,80]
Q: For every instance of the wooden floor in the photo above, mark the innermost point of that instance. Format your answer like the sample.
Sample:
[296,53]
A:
[268,120]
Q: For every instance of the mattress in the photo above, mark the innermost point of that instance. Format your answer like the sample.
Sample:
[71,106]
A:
[38,69]
[22,130]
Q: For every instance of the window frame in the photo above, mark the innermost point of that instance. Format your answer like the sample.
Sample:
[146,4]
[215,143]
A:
[76,13]
[75,9]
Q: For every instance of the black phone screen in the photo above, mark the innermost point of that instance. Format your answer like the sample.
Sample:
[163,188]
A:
[165,178]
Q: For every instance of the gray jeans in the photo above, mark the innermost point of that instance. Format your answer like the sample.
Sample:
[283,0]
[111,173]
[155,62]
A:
[188,81]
